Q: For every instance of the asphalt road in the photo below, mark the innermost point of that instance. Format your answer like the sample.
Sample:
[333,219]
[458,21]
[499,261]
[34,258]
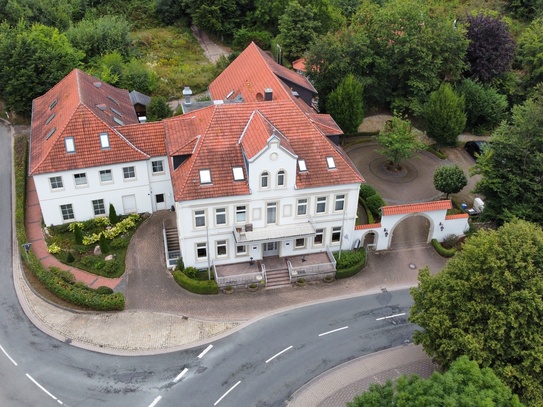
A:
[261,365]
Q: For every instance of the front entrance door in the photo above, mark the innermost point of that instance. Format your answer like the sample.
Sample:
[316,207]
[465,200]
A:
[160,202]
[271,249]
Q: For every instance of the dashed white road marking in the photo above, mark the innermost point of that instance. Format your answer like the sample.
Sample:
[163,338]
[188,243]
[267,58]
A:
[335,330]
[390,316]
[277,354]
[9,357]
[155,401]
[201,355]
[180,375]
[225,394]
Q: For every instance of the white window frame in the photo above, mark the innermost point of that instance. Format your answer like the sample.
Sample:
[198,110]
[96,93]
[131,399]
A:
[157,167]
[297,244]
[104,141]
[67,211]
[130,171]
[300,204]
[335,230]
[265,179]
[199,214]
[318,232]
[281,179]
[339,199]
[205,176]
[240,212]
[302,166]
[320,200]
[331,163]
[56,183]
[103,173]
[96,206]
[221,244]
[269,206]
[220,212]
[237,173]
[69,143]
[241,250]
[81,176]
[201,246]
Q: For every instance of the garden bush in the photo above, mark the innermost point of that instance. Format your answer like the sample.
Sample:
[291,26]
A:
[63,274]
[104,290]
[191,272]
[374,203]
[441,250]
[351,262]
[78,233]
[366,191]
[113,217]
[104,246]
[111,267]
[368,212]
[179,265]
[197,287]
[70,258]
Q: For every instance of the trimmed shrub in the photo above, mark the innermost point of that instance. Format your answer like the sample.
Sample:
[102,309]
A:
[191,272]
[78,234]
[65,275]
[366,191]
[197,287]
[70,258]
[351,262]
[368,212]
[179,265]
[104,290]
[104,246]
[111,267]
[441,250]
[113,217]
[374,203]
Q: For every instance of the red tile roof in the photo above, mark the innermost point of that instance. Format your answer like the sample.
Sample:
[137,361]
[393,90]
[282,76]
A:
[252,72]
[368,226]
[325,123]
[457,216]
[219,129]
[148,137]
[81,107]
[299,64]
[417,207]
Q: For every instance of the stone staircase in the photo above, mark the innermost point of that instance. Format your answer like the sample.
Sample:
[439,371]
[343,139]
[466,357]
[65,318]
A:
[172,239]
[277,274]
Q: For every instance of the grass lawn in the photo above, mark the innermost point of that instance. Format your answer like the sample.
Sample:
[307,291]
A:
[177,59]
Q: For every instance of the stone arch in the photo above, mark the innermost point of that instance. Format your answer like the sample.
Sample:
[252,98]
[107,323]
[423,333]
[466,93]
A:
[369,239]
[412,229]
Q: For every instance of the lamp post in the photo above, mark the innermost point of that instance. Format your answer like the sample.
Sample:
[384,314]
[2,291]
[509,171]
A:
[278,54]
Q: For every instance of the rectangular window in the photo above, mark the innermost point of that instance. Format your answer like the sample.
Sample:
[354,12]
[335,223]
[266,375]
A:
[99,207]
[319,237]
[271,212]
[70,144]
[106,176]
[238,173]
[241,249]
[56,182]
[330,162]
[302,166]
[80,179]
[281,178]
[158,166]
[67,212]
[205,176]
[336,234]
[104,140]
[302,207]
[321,204]
[264,179]
[129,172]
[199,218]
[220,216]
[201,250]
[221,248]
[241,214]
[340,203]
[299,243]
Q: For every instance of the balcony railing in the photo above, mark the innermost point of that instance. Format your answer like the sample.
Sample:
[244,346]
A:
[312,269]
[240,279]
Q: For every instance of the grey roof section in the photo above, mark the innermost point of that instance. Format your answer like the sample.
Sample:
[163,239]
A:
[137,97]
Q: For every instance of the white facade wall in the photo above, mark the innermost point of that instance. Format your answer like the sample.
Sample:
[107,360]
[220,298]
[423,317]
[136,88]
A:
[286,197]
[128,195]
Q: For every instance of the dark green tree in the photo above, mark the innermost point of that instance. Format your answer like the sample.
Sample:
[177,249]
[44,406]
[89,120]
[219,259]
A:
[530,55]
[444,115]
[104,244]
[463,384]
[513,169]
[366,191]
[398,142]
[346,104]
[485,303]
[158,109]
[169,11]
[375,203]
[450,179]
[78,234]
[113,217]
[34,59]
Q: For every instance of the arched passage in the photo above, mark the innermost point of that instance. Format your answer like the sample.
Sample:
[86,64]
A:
[370,239]
[412,230]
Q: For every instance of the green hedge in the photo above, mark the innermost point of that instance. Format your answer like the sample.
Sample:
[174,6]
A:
[351,262]
[194,286]
[441,250]
[368,212]
[55,280]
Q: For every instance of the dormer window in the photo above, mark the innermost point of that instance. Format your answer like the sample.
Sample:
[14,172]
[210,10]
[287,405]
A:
[264,179]
[238,173]
[205,176]
[331,163]
[70,144]
[104,141]
[302,166]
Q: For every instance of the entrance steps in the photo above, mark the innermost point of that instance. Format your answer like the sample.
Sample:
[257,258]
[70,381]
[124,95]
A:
[172,239]
[277,278]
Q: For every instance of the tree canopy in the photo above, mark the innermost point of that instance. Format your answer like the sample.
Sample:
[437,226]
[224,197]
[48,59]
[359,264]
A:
[513,167]
[450,179]
[346,104]
[444,115]
[463,384]
[486,304]
[398,142]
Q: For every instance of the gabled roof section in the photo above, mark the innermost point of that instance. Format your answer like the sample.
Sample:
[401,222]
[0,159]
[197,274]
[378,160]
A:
[252,72]
[148,137]
[80,106]
[138,97]
[219,147]
[325,123]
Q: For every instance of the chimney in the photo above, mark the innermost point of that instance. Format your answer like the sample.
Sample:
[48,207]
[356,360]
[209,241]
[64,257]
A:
[268,94]
[187,93]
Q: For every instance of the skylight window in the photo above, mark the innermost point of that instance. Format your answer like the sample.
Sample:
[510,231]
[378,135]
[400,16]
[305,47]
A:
[301,165]
[331,163]
[118,121]
[113,99]
[50,118]
[53,104]
[48,135]
[102,107]
[205,176]
[116,112]
[70,144]
[230,94]
[238,173]
[104,140]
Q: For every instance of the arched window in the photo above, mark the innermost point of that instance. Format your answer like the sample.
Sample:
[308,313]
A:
[264,180]
[281,178]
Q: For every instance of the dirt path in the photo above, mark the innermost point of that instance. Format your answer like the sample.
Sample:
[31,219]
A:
[212,51]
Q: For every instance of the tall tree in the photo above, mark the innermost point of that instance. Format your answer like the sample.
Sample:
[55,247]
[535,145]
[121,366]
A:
[398,142]
[34,60]
[158,109]
[450,179]
[464,384]
[444,115]
[513,170]
[491,49]
[346,104]
[486,304]
[530,55]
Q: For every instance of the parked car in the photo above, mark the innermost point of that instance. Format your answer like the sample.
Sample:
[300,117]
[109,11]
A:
[475,148]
